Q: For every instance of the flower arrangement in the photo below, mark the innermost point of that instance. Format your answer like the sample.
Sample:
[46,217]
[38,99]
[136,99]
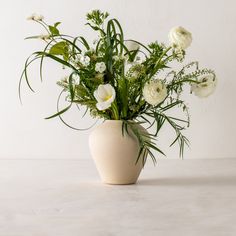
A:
[119,79]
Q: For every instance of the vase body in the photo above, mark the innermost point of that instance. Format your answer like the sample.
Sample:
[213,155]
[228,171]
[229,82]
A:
[115,154]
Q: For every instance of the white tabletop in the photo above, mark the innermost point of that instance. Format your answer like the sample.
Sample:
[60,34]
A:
[66,198]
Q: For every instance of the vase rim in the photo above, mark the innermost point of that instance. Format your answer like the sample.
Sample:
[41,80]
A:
[113,121]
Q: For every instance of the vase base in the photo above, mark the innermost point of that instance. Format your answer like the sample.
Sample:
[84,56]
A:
[119,182]
[108,183]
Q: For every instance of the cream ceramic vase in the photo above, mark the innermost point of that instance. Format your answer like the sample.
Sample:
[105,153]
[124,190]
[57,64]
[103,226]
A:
[115,155]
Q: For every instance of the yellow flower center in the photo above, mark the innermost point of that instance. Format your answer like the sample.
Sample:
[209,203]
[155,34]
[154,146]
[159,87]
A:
[107,97]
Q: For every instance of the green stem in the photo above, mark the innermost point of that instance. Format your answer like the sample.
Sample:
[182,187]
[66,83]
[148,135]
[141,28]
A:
[158,61]
[163,54]
[45,26]
[115,111]
[183,81]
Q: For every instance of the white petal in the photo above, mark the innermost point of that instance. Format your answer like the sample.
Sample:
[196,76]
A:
[105,94]
[206,86]
[97,96]
[131,46]
[180,37]
[104,91]
[103,105]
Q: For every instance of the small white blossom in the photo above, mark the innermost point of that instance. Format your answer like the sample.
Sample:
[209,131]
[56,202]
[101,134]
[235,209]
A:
[154,92]
[180,37]
[105,95]
[120,58]
[44,37]
[179,52]
[35,17]
[76,79]
[205,87]
[84,60]
[100,67]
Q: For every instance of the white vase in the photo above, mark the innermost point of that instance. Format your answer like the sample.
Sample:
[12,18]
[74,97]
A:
[115,155]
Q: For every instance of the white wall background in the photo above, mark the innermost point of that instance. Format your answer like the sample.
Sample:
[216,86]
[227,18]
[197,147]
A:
[25,134]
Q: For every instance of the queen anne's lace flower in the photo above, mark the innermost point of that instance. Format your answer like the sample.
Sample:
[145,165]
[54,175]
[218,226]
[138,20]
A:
[205,87]
[105,94]
[100,67]
[154,92]
[135,71]
[180,37]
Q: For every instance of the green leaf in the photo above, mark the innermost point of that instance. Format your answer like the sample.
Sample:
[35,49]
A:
[71,87]
[73,44]
[59,113]
[122,94]
[84,42]
[177,137]
[33,37]
[53,30]
[63,121]
[96,28]
[24,75]
[56,24]
[41,61]
[63,62]
[60,48]
[149,144]
[167,107]
[141,149]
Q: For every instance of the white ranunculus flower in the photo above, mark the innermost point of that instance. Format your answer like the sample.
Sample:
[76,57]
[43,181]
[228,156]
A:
[100,67]
[105,95]
[132,46]
[154,92]
[180,37]
[205,87]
